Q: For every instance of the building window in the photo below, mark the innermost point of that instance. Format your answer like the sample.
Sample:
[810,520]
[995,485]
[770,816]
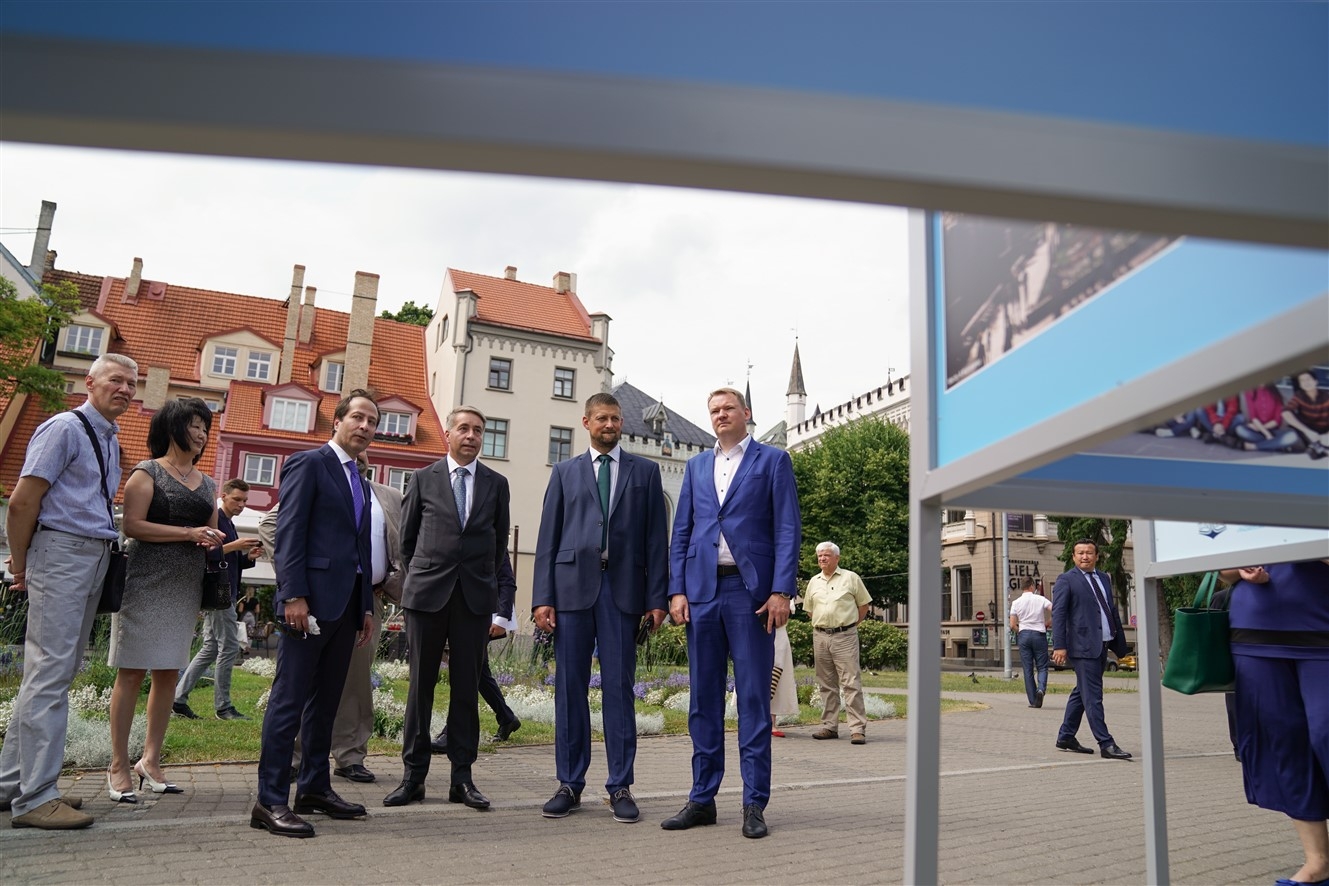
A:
[213,405]
[946,595]
[560,445]
[496,439]
[564,383]
[964,580]
[332,376]
[223,361]
[84,340]
[260,365]
[399,479]
[442,333]
[395,424]
[289,415]
[500,374]
[69,387]
[260,469]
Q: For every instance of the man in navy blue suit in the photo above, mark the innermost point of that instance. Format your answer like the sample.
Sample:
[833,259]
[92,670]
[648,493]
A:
[325,601]
[601,562]
[733,565]
[1085,625]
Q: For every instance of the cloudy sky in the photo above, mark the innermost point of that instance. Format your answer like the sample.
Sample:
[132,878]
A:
[698,284]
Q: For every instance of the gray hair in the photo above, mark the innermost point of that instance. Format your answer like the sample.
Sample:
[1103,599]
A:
[108,358]
[452,416]
[829,546]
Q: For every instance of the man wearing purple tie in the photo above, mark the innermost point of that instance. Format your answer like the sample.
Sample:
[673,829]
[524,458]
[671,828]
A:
[1085,625]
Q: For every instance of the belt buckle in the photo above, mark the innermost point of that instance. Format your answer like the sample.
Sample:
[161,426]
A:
[604,565]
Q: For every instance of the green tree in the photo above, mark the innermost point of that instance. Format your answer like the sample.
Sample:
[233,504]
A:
[1110,536]
[25,323]
[418,315]
[853,489]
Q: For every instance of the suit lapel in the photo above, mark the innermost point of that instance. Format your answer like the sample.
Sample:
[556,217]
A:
[585,469]
[333,465]
[707,477]
[480,489]
[744,467]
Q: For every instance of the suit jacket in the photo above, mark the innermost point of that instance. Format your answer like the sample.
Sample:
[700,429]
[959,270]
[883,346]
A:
[318,545]
[390,501]
[1077,623]
[567,549]
[761,522]
[440,555]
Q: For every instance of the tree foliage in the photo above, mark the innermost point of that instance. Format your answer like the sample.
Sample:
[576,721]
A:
[417,315]
[853,489]
[26,323]
[1110,536]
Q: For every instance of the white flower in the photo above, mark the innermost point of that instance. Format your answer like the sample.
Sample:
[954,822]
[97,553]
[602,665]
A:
[263,667]
[877,708]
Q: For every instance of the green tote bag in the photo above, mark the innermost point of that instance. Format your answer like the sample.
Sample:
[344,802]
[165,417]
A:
[1201,657]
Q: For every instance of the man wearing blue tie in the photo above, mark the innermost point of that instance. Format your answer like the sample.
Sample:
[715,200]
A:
[1085,625]
[733,570]
[601,561]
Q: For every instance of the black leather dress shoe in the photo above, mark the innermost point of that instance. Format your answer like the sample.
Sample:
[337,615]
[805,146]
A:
[1112,752]
[329,804]
[506,730]
[466,793]
[691,815]
[279,820]
[354,772]
[440,743]
[406,792]
[754,821]
[1071,744]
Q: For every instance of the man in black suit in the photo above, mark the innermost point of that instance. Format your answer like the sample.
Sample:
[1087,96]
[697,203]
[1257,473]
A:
[1085,625]
[454,534]
[325,601]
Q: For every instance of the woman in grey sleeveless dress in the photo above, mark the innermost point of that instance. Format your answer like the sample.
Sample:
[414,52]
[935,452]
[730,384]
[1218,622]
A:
[171,520]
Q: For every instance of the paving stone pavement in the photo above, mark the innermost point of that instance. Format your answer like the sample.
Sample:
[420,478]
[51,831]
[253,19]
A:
[1013,810]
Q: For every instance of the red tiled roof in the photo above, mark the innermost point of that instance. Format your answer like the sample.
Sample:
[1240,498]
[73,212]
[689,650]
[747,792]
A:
[505,302]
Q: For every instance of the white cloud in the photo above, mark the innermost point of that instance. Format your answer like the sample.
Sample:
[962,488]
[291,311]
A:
[698,283]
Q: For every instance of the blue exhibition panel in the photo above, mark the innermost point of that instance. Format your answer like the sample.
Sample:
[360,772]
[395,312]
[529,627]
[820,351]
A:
[1242,70]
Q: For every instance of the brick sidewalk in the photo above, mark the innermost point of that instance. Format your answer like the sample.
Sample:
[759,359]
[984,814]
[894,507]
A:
[836,816]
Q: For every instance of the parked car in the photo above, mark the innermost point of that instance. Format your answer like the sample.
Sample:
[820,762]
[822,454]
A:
[1125,663]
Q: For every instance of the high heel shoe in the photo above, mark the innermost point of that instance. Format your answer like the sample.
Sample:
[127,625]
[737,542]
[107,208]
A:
[157,787]
[119,796]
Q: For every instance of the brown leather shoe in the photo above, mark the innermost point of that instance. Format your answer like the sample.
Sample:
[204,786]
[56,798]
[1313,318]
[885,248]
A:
[824,733]
[72,802]
[279,820]
[858,738]
[52,815]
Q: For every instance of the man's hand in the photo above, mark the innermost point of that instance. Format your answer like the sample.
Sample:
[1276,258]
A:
[362,636]
[295,612]
[544,618]
[1254,574]
[1059,657]
[657,617]
[776,609]
[19,583]
[497,632]
[678,609]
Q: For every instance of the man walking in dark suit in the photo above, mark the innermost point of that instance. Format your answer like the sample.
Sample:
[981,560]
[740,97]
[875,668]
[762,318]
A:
[1085,626]
[601,562]
[733,569]
[454,534]
[324,598]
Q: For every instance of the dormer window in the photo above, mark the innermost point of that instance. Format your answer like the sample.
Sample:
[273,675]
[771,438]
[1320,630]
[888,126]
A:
[260,366]
[223,360]
[289,415]
[395,424]
[333,374]
[84,340]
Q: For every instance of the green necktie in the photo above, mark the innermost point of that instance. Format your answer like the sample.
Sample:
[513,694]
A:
[602,481]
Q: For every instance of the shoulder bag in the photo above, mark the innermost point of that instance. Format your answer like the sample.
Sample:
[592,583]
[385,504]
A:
[113,586]
[1201,656]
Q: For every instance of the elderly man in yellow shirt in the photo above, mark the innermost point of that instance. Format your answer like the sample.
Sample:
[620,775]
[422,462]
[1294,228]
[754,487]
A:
[837,601]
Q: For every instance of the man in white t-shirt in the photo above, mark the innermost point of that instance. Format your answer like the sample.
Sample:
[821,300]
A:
[1031,615]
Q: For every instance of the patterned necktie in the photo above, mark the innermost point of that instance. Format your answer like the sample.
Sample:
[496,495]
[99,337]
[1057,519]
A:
[357,492]
[1098,595]
[602,482]
[459,493]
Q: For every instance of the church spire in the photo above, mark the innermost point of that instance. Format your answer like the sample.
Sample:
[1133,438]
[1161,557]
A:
[796,376]
[796,398]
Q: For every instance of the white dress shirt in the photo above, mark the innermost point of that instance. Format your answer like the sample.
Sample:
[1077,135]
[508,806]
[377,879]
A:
[726,469]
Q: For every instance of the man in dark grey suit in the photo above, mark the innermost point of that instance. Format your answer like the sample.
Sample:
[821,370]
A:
[454,533]
[601,561]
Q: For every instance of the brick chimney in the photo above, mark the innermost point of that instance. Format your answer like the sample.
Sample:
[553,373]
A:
[292,325]
[42,241]
[154,388]
[509,273]
[307,315]
[132,283]
[563,282]
[360,333]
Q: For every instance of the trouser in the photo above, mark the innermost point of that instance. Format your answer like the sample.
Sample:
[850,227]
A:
[1034,658]
[1086,700]
[355,712]
[837,671]
[64,580]
[221,644]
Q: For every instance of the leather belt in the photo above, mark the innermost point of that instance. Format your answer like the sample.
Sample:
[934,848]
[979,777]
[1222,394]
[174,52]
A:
[725,571]
[839,630]
[42,528]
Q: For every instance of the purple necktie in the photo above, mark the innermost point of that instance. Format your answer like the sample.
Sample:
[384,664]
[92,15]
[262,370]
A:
[357,492]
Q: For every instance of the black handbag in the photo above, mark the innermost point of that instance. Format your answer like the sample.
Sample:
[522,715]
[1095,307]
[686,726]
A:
[216,591]
[113,586]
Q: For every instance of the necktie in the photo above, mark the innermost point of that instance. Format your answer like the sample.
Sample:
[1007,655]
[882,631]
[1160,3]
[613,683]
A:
[459,493]
[357,492]
[602,482]
[1098,595]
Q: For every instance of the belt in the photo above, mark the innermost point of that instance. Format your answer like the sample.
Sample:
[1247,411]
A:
[604,565]
[42,528]
[839,630]
[725,571]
